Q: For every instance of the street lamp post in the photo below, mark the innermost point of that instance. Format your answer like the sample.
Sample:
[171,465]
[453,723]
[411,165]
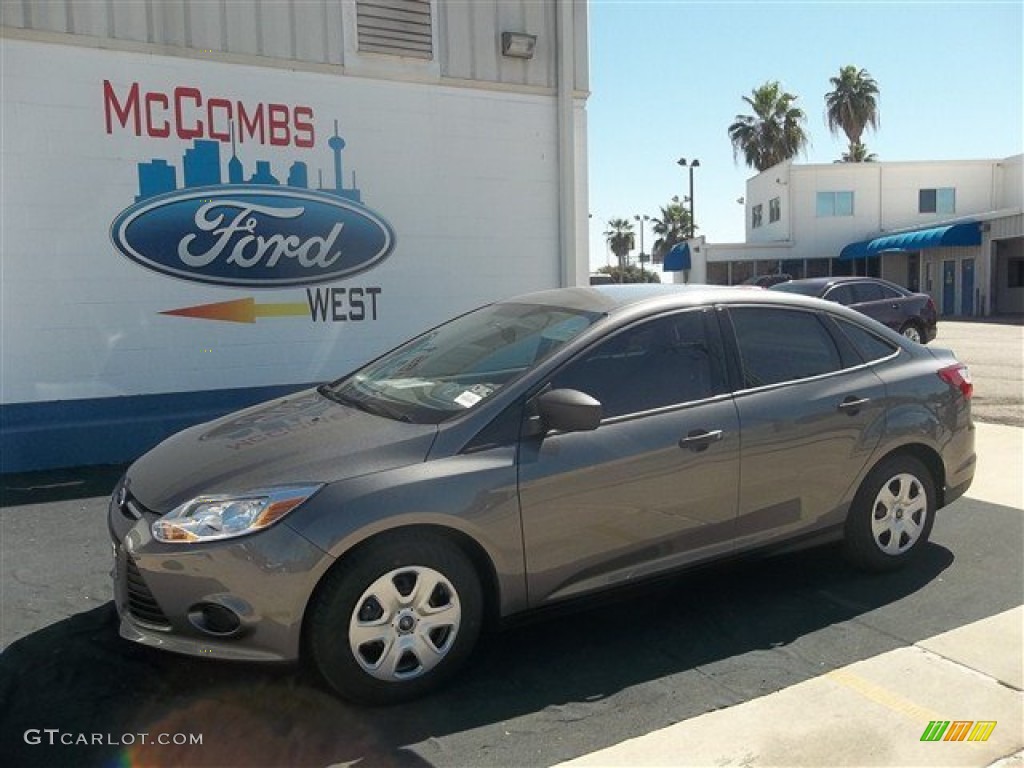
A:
[641,219]
[694,164]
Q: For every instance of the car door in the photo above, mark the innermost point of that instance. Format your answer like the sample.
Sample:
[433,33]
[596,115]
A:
[880,302]
[655,485]
[811,415]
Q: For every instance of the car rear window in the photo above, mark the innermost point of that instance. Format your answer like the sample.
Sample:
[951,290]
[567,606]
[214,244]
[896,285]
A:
[870,346]
[804,289]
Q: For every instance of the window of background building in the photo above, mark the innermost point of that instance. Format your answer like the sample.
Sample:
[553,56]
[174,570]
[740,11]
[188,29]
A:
[1015,273]
[914,271]
[794,268]
[718,272]
[741,270]
[834,204]
[940,200]
[774,210]
[818,267]
[756,215]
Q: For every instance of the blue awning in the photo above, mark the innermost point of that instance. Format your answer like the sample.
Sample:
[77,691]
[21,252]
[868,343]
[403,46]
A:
[968,233]
[678,258]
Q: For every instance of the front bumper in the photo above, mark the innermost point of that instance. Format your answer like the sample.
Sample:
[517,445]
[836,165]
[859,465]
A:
[241,599]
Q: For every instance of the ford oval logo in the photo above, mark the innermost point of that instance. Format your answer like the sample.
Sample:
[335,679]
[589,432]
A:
[252,236]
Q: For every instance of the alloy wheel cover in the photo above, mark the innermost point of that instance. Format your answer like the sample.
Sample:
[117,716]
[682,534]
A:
[404,623]
[899,514]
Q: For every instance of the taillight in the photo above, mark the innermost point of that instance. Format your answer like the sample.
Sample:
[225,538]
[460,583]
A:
[958,377]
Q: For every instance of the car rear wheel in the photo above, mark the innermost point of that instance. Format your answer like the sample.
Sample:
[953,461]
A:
[891,516]
[396,620]
[912,332]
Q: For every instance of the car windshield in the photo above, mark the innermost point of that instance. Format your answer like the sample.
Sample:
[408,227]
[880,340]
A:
[806,289]
[461,363]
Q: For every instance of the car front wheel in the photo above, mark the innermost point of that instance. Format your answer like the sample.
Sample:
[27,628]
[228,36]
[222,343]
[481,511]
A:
[395,620]
[892,515]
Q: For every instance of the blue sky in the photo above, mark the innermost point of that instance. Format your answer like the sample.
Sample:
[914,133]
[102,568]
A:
[667,78]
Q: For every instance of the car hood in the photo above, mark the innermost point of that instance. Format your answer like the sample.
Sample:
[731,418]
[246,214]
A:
[300,438]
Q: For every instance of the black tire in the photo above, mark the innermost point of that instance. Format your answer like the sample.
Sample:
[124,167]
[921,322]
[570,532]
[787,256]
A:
[892,515]
[421,643]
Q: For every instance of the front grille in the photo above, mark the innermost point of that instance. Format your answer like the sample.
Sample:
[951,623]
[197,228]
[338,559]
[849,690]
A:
[141,603]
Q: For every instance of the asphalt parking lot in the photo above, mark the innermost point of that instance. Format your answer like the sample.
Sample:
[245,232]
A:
[535,695]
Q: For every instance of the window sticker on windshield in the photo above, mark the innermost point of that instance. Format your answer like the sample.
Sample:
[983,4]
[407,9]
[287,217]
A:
[405,383]
[468,399]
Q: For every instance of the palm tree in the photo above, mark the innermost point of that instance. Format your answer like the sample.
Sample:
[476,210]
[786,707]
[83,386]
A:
[774,132]
[630,274]
[852,106]
[858,153]
[671,228]
[620,239]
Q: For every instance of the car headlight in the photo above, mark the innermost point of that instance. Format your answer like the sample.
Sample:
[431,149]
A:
[208,518]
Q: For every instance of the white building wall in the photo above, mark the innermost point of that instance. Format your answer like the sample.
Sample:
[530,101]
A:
[886,201]
[464,179]
[761,190]
[1009,183]
[322,32]
[900,184]
[821,237]
[473,161]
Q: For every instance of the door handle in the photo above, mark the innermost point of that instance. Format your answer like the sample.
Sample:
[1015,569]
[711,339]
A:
[853,404]
[699,439]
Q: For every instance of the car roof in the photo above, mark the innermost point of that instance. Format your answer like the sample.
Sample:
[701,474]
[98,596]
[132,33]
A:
[620,298]
[838,279]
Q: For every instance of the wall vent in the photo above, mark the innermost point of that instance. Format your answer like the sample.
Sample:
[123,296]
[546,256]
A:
[396,27]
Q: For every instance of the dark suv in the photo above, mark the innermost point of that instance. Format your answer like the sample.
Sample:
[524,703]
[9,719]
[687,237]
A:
[912,314]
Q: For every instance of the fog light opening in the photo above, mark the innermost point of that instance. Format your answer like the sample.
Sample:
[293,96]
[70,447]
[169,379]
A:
[214,619]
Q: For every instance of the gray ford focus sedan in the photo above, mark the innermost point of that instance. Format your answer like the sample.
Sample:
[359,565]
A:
[529,452]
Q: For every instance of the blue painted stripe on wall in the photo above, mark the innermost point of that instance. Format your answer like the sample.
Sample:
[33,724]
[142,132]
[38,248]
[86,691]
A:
[110,430]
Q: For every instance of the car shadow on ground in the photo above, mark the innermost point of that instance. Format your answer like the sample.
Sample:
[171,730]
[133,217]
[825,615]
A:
[77,676]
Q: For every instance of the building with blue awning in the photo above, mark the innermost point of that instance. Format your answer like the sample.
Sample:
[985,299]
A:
[952,229]
[966,233]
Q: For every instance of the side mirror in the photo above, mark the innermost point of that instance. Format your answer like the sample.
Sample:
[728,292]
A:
[569,410]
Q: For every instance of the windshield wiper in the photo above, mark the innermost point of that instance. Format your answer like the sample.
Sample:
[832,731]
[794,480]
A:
[373,407]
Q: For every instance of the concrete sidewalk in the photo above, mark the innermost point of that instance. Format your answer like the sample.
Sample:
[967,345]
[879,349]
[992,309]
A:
[875,712]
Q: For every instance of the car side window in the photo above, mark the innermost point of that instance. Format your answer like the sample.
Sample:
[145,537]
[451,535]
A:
[889,293]
[869,346]
[866,292]
[657,363]
[778,345]
[841,294]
